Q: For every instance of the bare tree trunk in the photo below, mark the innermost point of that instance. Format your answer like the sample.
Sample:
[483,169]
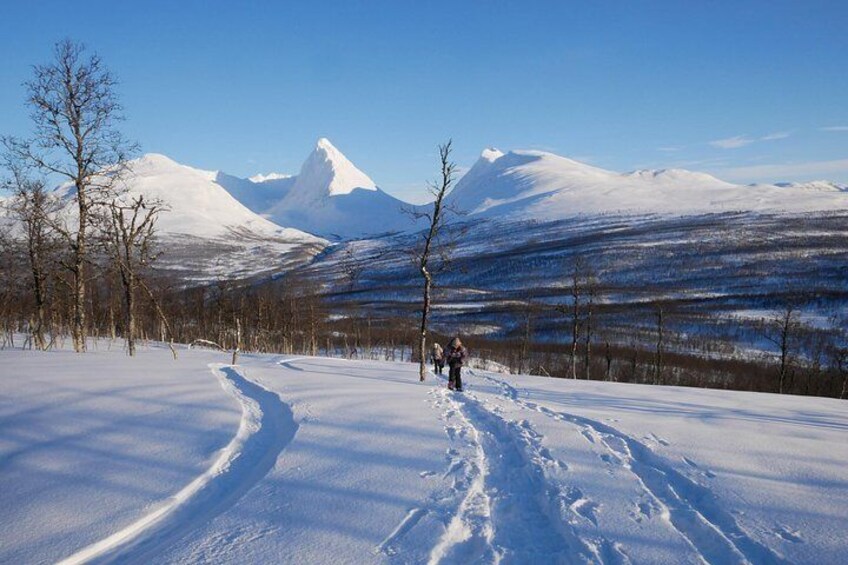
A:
[39,295]
[575,329]
[78,330]
[587,359]
[425,313]
[237,348]
[608,358]
[784,356]
[524,352]
[313,337]
[436,221]
[112,335]
[129,299]
[161,314]
[658,359]
[576,291]
[785,326]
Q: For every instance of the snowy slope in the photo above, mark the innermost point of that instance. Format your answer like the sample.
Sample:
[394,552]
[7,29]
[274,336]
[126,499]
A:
[197,202]
[89,443]
[204,231]
[331,197]
[516,469]
[259,192]
[543,186]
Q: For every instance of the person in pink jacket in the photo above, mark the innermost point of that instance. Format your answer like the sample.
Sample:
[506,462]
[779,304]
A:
[455,357]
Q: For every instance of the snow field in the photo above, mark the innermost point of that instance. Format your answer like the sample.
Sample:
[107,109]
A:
[90,444]
[328,460]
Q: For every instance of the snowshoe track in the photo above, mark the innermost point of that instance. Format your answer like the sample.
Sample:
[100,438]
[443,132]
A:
[511,511]
[267,426]
[688,507]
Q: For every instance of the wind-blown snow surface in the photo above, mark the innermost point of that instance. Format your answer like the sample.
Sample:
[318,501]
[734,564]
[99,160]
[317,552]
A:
[300,460]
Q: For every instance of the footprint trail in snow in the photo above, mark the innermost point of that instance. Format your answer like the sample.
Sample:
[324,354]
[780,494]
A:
[512,511]
[688,507]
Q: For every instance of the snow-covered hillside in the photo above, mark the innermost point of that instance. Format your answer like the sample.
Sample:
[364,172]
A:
[543,186]
[292,460]
[198,204]
[259,192]
[331,197]
[207,233]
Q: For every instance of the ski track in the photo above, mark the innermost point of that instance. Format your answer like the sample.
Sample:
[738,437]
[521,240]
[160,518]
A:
[688,507]
[267,426]
[513,509]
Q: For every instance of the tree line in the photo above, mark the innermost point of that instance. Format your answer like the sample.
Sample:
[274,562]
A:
[88,269]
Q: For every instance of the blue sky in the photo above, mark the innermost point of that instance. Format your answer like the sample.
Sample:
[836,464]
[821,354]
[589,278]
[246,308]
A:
[750,91]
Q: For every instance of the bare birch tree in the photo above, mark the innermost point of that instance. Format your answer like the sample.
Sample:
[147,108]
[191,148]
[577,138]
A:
[572,309]
[75,111]
[33,209]
[129,235]
[783,331]
[436,218]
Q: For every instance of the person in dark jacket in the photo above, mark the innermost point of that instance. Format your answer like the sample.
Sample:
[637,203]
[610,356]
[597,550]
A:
[455,356]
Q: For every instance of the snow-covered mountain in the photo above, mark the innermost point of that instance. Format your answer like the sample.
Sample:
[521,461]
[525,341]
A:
[259,192]
[198,202]
[543,186]
[331,197]
[820,185]
[205,232]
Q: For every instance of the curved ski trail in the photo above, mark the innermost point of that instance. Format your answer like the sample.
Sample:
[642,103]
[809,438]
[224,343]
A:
[267,426]
[689,508]
[511,511]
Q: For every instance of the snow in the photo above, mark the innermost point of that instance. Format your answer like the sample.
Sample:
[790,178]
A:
[327,172]
[260,178]
[544,186]
[89,444]
[358,214]
[331,197]
[204,232]
[256,195]
[198,204]
[299,459]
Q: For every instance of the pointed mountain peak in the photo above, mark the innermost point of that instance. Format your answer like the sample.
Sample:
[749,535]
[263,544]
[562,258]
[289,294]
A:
[491,154]
[325,144]
[327,172]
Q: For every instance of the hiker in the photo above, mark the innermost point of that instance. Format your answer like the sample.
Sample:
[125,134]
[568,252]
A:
[437,354]
[455,357]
